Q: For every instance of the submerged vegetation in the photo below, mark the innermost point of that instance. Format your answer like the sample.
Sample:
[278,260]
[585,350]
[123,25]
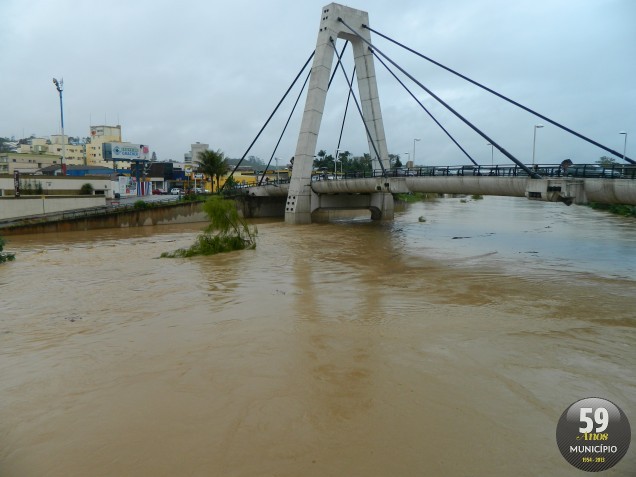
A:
[416,196]
[227,231]
[5,257]
[618,209]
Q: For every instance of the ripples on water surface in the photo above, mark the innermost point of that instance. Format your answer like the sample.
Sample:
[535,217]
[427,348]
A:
[445,347]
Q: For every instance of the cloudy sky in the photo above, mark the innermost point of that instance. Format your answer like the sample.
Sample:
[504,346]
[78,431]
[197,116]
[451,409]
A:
[174,73]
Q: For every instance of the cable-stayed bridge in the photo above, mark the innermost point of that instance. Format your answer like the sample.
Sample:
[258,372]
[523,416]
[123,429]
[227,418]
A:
[373,189]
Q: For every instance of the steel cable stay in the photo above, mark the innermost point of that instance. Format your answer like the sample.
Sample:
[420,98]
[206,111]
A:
[519,105]
[286,124]
[333,74]
[344,116]
[353,74]
[270,117]
[424,107]
[294,108]
[531,173]
[355,99]
[274,112]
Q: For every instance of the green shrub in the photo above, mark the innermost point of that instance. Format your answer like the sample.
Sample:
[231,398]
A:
[618,209]
[141,204]
[86,189]
[5,257]
[227,231]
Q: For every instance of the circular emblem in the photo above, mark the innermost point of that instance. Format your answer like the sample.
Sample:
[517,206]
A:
[116,150]
[593,434]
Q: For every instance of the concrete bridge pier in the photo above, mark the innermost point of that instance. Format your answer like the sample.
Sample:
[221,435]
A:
[382,206]
[300,202]
[564,190]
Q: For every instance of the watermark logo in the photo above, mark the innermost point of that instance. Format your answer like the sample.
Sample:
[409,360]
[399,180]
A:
[593,434]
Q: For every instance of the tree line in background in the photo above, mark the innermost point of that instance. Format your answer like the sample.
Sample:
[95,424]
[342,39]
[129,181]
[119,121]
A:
[347,162]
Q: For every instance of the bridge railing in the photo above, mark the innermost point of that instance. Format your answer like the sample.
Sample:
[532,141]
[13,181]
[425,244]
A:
[242,188]
[614,171]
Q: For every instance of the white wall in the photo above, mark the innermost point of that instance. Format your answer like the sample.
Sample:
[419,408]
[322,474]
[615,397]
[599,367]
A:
[57,184]
[36,205]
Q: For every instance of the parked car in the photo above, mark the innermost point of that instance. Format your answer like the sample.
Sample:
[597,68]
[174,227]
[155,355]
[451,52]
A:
[158,192]
[176,191]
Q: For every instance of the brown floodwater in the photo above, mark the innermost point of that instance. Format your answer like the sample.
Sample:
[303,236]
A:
[352,348]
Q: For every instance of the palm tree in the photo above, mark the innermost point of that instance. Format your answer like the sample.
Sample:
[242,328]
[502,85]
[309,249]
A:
[213,163]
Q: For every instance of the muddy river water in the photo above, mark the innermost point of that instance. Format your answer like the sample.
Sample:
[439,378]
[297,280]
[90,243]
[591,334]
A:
[445,343]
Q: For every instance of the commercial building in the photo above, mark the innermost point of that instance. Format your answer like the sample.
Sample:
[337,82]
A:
[74,154]
[26,162]
[94,150]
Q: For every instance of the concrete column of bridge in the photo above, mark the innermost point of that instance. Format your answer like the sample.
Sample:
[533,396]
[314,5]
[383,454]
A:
[298,206]
[382,206]
[370,99]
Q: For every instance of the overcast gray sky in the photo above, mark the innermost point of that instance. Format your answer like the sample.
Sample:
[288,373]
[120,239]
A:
[173,73]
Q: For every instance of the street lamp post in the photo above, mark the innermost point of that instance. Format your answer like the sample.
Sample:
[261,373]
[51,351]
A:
[492,154]
[59,85]
[277,172]
[534,141]
[335,164]
[414,141]
[624,144]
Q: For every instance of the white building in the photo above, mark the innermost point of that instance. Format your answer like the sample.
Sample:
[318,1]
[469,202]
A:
[195,149]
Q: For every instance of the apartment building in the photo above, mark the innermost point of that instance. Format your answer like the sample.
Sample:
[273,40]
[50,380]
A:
[26,162]
[74,154]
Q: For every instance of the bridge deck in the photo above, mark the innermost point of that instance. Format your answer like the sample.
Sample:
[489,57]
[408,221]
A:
[615,185]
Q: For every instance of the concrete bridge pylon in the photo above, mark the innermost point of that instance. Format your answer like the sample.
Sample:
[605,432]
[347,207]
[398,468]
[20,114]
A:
[301,201]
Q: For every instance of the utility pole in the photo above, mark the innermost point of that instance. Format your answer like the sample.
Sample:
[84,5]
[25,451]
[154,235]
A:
[59,85]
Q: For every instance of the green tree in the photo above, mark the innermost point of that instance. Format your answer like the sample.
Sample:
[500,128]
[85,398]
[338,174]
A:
[227,231]
[323,161]
[5,257]
[86,189]
[213,163]
[606,161]
[3,146]
[360,164]
[395,159]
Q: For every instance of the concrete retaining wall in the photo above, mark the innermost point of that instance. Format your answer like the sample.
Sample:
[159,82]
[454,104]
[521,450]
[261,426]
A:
[29,205]
[173,214]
